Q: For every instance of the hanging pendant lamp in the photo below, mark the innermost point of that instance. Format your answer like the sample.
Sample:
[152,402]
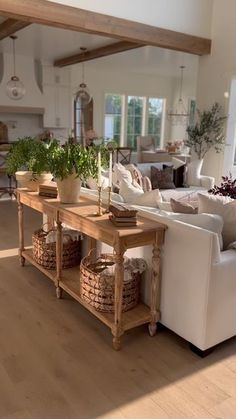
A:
[179,115]
[83,93]
[15,89]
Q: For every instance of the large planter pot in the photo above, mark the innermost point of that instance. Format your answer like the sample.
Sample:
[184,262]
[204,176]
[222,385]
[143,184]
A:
[39,180]
[194,172]
[23,178]
[26,179]
[69,189]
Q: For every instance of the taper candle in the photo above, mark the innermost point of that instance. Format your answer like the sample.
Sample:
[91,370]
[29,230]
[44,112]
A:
[110,169]
[99,169]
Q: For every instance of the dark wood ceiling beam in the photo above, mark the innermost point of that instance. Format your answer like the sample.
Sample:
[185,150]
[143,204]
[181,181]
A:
[72,18]
[10,26]
[96,53]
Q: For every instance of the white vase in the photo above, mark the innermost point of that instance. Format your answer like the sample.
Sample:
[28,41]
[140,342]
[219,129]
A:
[194,172]
[69,189]
[26,179]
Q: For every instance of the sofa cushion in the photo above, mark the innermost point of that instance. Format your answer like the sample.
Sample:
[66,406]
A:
[119,173]
[182,207]
[136,196]
[178,175]
[162,179]
[226,208]
[210,222]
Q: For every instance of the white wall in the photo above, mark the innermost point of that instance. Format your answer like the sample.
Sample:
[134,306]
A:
[188,16]
[215,74]
[124,79]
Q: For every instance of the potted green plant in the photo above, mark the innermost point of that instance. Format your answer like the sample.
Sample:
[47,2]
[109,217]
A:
[27,159]
[205,134]
[70,165]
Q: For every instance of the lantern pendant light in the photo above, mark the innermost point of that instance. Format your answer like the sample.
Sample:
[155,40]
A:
[15,89]
[179,115]
[83,93]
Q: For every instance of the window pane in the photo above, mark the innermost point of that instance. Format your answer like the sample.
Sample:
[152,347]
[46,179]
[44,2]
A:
[113,116]
[134,120]
[155,111]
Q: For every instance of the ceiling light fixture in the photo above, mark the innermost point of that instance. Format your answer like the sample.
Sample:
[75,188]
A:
[179,115]
[83,93]
[15,89]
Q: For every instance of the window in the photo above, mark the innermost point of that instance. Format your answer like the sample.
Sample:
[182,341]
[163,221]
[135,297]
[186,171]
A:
[127,117]
[113,116]
[134,120]
[155,112]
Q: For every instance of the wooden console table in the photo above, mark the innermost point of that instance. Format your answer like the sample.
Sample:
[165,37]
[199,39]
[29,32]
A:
[81,217]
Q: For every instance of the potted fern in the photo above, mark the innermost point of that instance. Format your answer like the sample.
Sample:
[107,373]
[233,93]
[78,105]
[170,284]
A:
[27,160]
[70,165]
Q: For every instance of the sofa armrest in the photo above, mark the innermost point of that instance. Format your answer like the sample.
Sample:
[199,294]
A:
[207,182]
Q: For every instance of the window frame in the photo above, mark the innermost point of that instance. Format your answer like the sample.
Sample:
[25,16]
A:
[124,115]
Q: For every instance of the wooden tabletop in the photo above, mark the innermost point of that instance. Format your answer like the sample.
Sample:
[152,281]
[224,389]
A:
[82,216]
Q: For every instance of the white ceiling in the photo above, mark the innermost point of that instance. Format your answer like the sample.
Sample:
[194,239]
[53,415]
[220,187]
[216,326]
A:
[47,44]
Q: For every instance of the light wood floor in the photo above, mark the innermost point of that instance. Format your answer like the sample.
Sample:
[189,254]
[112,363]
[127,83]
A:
[56,360]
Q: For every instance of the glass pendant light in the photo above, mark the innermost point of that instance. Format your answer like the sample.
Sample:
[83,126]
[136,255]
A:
[83,93]
[15,89]
[179,115]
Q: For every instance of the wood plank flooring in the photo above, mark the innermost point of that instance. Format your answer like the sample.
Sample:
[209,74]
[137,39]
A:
[56,359]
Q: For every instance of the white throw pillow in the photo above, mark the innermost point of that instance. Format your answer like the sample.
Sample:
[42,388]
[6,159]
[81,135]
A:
[226,208]
[210,222]
[92,183]
[119,173]
[194,172]
[136,196]
[177,163]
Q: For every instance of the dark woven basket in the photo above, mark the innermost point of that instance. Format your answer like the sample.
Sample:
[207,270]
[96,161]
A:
[45,253]
[98,289]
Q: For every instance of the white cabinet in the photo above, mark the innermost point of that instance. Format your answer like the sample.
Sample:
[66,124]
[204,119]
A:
[58,99]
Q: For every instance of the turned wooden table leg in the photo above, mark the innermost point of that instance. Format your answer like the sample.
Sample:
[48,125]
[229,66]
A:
[58,259]
[156,283]
[21,232]
[117,329]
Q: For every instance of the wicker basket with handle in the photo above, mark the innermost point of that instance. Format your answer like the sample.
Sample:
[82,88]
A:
[45,253]
[97,285]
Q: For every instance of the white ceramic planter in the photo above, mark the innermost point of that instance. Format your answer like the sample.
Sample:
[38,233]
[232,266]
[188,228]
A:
[26,179]
[69,189]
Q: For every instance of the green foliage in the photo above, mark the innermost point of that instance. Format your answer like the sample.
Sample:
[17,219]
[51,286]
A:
[207,132]
[75,158]
[27,154]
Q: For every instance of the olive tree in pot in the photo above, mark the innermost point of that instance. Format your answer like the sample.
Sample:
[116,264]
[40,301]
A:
[205,134]
[70,165]
[27,160]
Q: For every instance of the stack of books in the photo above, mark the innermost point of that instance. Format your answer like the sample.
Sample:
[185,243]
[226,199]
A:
[48,190]
[123,216]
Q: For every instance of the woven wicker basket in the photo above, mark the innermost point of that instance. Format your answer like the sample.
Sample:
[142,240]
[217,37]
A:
[45,253]
[98,288]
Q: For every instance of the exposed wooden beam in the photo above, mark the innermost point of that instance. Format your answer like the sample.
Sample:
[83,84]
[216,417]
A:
[67,17]
[10,26]
[96,53]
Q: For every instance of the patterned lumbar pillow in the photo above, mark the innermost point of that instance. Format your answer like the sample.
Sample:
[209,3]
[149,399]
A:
[162,179]
[182,207]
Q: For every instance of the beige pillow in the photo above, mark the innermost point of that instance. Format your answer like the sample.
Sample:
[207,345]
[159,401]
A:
[136,196]
[224,206]
[182,207]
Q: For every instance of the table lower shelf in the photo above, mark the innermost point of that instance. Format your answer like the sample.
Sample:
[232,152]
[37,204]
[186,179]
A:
[69,282]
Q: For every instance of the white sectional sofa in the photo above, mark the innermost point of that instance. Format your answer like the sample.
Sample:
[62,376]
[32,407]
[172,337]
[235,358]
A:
[198,292]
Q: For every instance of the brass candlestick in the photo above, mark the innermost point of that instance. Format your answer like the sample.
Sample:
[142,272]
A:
[109,199]
[100,212]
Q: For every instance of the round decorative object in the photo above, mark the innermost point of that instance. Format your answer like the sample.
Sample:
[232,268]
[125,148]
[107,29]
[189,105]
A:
[15,89]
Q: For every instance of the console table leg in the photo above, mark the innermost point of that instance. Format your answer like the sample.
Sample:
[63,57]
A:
[21,232]
[117,329]
[58,259]
[155,284]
